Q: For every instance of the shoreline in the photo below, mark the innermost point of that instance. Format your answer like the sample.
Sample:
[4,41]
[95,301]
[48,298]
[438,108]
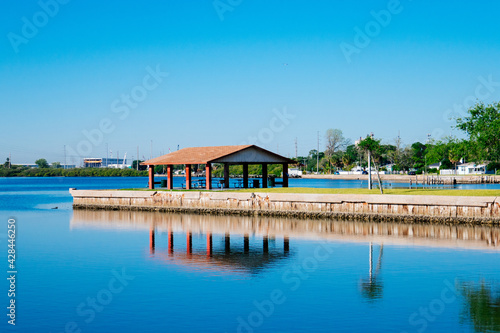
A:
[417,179]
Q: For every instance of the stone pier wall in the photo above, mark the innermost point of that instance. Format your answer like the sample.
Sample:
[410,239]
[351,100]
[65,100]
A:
[373,207]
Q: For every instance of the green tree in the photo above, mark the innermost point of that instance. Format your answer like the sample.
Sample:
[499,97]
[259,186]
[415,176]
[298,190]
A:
[482,125]
[141,167]
[56,165]
[335,142]
[42,163]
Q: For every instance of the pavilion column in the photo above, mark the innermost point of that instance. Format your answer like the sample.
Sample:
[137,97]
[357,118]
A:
[285,174]
[245,175]
[208,175]
[226,175]
[264,175]
[188,176]
[170,178]
[151,177]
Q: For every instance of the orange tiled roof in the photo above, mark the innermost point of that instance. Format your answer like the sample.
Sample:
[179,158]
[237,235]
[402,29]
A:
[195,155]
[200,155]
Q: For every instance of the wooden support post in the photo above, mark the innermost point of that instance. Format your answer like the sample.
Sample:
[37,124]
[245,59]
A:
[265,244]
[264,175]
[151,177]
[226,175]
[245,175]
[170,177]
[208,175]
[285,174]
[188,176]
[286,244]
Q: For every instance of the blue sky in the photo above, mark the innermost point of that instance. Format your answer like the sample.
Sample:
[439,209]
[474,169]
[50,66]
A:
[262,72]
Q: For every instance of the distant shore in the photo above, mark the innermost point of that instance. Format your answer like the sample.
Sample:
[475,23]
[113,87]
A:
[417,179]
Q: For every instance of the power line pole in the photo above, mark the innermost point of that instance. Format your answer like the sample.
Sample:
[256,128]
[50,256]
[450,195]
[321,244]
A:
[107,155]
[317,157]
[137,164]
[369,170]
[296,155]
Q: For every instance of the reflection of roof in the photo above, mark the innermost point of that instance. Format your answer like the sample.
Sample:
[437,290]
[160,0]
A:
[219,154]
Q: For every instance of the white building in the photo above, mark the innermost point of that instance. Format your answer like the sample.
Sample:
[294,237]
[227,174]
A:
[466,169]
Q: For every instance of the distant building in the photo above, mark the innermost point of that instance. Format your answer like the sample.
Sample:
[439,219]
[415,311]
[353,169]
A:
[466,169]
[105,162]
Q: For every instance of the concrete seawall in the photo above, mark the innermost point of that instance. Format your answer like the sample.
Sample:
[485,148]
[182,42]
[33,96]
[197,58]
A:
[399,208]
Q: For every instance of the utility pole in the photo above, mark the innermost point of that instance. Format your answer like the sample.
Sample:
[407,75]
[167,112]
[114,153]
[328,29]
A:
[296,155]
[107,155]
[317,157]
[137,164]
[369,170]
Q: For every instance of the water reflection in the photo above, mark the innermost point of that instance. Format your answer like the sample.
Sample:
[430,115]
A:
[372,287]
[449,236]
[482,305]
[224,257]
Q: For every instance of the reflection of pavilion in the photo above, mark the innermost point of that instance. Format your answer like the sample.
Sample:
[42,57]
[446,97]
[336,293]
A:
[426,235]
[229,258]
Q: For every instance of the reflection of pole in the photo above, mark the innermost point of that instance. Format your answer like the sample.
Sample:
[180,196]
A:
[246,244]
[209,244]
[152,240]
[286,244]
[189,242]
[170,241]
[227,243]
[265,244]
[369,170]
[371,259]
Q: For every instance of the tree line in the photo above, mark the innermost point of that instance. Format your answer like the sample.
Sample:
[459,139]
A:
[481,144]
[481,127]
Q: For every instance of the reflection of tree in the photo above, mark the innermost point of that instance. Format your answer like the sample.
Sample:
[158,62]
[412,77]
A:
[372,287]
[482,306]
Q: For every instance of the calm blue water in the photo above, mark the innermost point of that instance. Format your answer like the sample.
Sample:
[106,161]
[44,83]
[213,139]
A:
[84,271]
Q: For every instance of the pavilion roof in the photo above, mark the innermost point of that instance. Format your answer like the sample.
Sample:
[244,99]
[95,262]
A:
[215,154]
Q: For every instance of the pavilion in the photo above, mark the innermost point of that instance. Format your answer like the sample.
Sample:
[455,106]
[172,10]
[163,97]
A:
[226,155]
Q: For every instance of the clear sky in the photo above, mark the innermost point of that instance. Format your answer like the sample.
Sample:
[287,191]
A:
[200,73]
